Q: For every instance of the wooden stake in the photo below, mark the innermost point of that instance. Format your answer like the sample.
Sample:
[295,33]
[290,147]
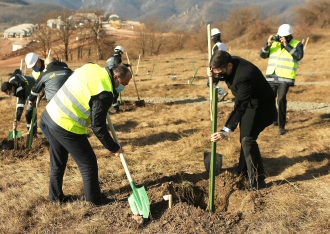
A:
[137,66]
[306,43]
[21,66]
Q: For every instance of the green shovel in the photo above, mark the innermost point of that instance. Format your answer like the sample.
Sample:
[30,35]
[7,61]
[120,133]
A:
[138,201]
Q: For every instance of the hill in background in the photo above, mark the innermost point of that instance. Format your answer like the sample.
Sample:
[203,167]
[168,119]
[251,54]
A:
[184,14]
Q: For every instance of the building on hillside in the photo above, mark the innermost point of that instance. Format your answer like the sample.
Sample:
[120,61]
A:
[56,23]
[19,45]
[83,18]
[114,20]
[22,30]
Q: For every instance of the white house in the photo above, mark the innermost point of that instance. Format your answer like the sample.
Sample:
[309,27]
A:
[56,23]
[22,30]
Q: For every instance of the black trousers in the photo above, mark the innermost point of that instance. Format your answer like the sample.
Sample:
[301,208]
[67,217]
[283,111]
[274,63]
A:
[62,143]
[28,118]
[280,90]
[253,122]
[115,100]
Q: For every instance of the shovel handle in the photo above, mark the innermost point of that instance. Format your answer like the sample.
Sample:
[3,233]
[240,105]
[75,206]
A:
[137,93]
[122,159]
[128,174]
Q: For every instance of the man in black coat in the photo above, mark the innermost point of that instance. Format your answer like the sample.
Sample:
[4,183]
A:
[253,110]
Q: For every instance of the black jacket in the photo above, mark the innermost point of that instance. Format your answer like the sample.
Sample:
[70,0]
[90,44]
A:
[51,80]
[251,90]
[114,60]
[23,85]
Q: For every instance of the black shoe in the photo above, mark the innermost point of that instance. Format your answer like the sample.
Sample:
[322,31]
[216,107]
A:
[281,131]
[103,201]
[116,110]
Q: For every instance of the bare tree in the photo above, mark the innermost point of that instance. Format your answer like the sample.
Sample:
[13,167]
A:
[152,36]
[43,35]
[239,20]
[142,39]
[96,36]
[314,13]
[64,36]
[198,38]
[179,37]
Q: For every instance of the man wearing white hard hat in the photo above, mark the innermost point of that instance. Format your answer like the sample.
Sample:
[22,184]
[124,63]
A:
[37,64]
[112,62]
[218,45]
[284,54]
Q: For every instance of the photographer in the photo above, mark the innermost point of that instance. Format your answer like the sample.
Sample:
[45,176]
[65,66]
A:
[283,52]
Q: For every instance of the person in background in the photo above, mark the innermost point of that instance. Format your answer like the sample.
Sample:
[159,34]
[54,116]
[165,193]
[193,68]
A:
[82,101]
[49,82]
[113,61]
[283,53]
[37,64]
[20,87]
[218,45]
[253,111]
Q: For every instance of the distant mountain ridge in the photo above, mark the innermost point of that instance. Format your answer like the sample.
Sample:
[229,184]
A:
[183,13]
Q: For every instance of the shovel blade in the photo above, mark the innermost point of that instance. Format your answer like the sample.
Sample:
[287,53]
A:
[218,162]
[11,134]
[139,202]
[140,103]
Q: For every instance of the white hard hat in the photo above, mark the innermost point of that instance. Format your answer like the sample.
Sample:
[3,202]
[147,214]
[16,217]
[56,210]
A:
[214,31]
[119,48]
[285,30]
[31,59]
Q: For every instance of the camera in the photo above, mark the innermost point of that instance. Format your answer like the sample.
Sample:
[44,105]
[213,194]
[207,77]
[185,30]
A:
[276,38]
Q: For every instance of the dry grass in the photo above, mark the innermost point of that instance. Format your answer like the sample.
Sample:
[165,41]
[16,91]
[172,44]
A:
[164,139]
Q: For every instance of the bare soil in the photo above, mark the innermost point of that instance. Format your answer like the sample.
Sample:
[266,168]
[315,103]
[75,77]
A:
[189,213]
[164,141]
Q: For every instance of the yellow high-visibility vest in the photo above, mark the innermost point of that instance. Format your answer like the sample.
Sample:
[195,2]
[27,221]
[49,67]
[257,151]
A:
[281,61]
[69,108]
[35,75]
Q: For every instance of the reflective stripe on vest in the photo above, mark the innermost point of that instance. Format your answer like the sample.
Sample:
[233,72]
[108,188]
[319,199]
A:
[281,61]
[69,108]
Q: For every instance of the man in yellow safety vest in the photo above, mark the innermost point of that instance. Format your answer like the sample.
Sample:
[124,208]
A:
[283,53]
[83,100]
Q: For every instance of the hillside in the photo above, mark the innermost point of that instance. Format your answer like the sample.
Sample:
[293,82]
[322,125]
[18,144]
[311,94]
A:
[176,12]
[19,12]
